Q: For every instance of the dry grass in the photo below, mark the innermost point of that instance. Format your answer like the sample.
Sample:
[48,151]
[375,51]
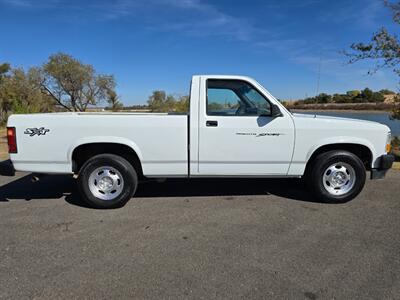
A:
[396,165]
[3,145]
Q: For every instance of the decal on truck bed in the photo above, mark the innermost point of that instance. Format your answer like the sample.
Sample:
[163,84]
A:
[36,131]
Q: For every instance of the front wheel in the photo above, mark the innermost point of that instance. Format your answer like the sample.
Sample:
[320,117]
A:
[107,181]
[336,176]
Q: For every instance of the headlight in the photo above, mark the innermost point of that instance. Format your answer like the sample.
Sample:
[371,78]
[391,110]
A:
[389,143]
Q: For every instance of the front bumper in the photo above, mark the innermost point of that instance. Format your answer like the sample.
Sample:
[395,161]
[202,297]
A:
[385,162]
[7,168]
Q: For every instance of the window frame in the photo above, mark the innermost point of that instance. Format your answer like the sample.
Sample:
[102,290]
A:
[239,80]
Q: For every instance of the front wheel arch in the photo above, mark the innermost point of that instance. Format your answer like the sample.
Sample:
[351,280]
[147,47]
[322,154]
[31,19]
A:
[361,151]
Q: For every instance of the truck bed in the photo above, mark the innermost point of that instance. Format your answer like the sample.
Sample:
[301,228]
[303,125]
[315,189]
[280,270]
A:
[160,140]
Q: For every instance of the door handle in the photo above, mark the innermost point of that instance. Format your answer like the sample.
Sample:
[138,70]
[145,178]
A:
[212,123]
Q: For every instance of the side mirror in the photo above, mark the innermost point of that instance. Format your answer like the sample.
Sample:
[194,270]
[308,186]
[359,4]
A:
[275,111]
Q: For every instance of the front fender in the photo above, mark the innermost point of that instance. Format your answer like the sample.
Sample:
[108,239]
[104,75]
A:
[303,152]
[341,140]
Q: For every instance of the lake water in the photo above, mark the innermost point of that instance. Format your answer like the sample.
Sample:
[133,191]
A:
[381,117]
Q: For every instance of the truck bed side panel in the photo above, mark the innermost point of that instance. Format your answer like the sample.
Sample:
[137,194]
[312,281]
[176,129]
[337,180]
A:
[159,140]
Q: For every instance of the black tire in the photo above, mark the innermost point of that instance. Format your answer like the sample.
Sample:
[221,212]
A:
[319,168]
[125,170]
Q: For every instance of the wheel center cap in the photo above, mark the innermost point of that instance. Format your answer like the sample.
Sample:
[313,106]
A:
[105,183]
[339,178]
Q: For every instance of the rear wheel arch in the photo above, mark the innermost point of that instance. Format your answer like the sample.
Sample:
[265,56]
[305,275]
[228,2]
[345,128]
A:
[82,153]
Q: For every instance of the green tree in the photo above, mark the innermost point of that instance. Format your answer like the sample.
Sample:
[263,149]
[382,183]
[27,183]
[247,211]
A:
[157,100]
[113,101]
[5,104]
[323,98]
[20,92]
[341,98]
[72,84]
[387,92]
[395,142]
[378,97]
[170,104]
[4,69]
[310,100]
[160,102]
[353,93]
[367,95]
[182,105]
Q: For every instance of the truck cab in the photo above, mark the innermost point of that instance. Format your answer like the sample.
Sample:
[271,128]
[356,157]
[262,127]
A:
[238,129]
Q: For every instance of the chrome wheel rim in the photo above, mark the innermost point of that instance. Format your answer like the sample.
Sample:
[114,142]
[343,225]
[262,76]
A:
[339,178]
[106,183]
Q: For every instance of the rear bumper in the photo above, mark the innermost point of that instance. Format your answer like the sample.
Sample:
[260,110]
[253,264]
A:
[7,168]
[385,162]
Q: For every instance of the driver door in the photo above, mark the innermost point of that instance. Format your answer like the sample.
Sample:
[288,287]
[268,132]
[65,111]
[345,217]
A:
[237,134]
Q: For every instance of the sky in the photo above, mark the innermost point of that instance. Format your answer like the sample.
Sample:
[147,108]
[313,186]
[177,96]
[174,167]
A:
[159,44]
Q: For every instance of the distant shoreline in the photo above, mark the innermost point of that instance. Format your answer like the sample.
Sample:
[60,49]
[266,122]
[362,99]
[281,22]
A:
[345,107]
[360,111]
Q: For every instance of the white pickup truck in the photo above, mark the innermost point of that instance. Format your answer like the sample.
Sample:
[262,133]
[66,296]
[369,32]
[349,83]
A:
[234,128]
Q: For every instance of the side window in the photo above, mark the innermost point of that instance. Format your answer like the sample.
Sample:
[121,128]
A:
[222,102]
[235,98]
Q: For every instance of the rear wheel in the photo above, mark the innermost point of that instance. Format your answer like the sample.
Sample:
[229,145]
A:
[107,181]
[336,176]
